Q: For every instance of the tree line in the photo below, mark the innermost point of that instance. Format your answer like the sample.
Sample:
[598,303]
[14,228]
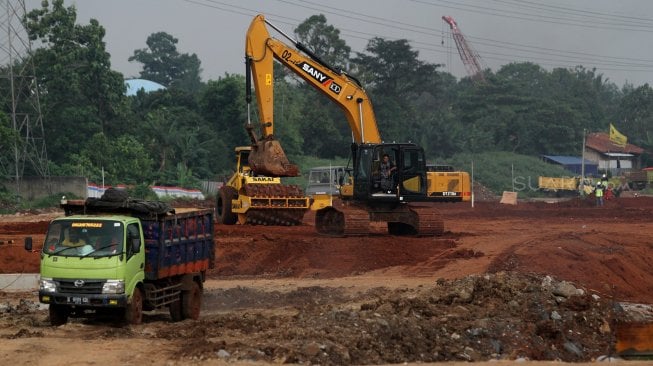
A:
[187,132]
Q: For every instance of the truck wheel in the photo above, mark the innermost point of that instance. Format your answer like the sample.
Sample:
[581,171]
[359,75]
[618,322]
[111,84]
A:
[58,315]
[223,206]
[134,311]
[192,302]
[175,310]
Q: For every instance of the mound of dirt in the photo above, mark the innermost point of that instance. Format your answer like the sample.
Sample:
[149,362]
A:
[476,318]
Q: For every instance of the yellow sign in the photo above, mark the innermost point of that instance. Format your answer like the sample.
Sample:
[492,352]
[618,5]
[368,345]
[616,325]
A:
[86,224]
[616,137]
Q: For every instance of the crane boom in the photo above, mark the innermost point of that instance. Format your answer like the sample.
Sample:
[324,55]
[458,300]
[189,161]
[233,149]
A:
[467,55]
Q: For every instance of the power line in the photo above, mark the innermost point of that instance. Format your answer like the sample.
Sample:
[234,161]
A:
[535,17]
[431,32]
[563,9]
[561,57]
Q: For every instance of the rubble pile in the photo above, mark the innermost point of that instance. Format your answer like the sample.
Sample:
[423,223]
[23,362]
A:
[478,318]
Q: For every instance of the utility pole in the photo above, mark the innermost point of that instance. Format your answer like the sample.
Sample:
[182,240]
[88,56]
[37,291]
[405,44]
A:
[22,97]
[581,186]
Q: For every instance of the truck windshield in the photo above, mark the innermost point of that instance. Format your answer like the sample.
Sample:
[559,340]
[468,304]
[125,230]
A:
[84,238]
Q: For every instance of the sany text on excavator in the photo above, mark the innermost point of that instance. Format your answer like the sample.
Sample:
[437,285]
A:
[396,198]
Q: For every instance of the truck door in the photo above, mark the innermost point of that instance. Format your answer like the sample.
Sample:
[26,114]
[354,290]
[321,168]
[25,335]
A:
[134,255]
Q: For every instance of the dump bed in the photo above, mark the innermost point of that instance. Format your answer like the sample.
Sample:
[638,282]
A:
[558,183]
[178,244]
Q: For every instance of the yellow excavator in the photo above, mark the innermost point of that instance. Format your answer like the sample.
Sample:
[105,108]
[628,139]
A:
[400,198]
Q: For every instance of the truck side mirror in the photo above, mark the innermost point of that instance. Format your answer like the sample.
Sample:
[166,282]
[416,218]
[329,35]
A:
[28,243]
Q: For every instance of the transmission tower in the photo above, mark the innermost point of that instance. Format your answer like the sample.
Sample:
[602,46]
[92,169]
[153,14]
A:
[20,97]
[470,58]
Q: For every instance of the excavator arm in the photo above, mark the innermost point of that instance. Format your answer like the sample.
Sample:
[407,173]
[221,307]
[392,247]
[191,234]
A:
[260,50]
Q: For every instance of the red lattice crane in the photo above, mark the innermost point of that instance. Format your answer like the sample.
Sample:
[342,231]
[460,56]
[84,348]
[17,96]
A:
[470,58]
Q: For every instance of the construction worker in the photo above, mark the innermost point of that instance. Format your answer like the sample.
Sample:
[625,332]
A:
[598,193]
[387,168]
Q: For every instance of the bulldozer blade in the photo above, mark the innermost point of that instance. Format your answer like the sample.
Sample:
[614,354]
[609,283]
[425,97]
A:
[268,158]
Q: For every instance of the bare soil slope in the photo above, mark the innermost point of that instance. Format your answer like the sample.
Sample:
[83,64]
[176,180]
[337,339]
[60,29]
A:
[537,280]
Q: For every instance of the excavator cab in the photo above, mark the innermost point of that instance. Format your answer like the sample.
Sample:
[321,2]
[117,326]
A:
[374,182]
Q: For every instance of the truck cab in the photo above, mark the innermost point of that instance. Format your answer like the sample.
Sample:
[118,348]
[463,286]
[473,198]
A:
[91,261]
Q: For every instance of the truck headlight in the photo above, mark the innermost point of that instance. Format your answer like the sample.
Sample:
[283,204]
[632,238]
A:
[47,285]
[113,287]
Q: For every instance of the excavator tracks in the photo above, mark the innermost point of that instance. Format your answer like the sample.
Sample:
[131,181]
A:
[342,220]
[430,221]
[346,219]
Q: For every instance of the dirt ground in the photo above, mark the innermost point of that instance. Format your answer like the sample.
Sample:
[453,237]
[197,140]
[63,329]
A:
[535,281]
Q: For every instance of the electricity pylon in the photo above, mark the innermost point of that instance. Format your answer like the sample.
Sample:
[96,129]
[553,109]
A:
[19,95]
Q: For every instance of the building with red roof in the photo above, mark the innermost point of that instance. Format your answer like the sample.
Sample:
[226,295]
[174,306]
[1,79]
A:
[610,156]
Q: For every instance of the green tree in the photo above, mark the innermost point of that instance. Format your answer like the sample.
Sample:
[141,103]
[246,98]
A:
[635,117]
[222,105]
[324,41]
[395,79]
[526,109]
[80,93]
[321,123]
[121,160]
[163,64]
[9,140]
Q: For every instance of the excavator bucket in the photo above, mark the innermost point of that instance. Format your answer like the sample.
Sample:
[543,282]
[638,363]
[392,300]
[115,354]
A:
[268,158]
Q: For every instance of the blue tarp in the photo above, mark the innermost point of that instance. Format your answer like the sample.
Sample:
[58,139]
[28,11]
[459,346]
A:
[573,164]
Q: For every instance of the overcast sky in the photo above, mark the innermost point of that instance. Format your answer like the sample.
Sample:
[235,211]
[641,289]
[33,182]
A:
[610,35]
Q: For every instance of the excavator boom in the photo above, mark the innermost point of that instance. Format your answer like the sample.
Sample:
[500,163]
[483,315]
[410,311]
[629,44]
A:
[260,50]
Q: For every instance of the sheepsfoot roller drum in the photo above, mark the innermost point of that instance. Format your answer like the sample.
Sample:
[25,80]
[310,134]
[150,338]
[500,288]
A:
[268,158]
[351,219]
[265,203]
[275,204]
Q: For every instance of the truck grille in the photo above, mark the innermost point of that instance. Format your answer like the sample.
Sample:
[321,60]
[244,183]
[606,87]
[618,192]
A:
[80,286]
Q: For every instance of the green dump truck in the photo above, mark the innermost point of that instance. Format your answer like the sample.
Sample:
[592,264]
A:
[122,257]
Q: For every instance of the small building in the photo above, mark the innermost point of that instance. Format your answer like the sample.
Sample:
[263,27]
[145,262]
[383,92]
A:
[611,157]
[573,163]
